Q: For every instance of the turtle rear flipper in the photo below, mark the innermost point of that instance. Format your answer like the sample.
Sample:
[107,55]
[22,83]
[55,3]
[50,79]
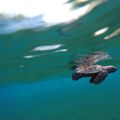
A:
[92,78]
[100,77]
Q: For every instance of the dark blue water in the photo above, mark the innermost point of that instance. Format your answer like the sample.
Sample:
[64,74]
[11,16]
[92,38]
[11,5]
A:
[35,76]
[62,99]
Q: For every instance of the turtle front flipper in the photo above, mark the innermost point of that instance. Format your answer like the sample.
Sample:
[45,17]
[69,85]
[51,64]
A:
[100,77]
[76,76]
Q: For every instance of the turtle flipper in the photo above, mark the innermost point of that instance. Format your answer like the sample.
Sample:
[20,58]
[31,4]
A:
[100,77]
[92,78]
[76,76]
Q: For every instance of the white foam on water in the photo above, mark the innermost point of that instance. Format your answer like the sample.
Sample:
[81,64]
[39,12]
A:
[101,31]
[61,50]
[113,34]
[31,56]
[47,47]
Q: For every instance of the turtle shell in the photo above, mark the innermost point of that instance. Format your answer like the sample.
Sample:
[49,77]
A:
[88,69]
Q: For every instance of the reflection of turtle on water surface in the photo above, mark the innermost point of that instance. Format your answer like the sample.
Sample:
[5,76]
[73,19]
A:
[88,68]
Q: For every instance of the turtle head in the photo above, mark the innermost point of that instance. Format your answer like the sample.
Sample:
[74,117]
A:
[73,67]
[111,69]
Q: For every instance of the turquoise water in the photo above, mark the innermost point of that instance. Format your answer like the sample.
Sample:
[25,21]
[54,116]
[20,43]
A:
[35,79]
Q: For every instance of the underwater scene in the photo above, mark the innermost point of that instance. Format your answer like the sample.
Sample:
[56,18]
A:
[60,60]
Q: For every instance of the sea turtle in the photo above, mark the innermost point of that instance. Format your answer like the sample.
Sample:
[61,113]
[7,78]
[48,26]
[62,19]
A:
[87,67]
[97,72]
